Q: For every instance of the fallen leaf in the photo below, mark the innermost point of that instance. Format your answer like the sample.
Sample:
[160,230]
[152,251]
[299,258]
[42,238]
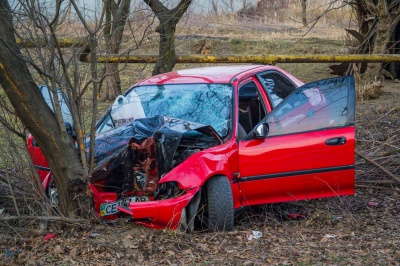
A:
[127,243]
[170,252]
[94,235]
[73,252]
[326,238]
[57,249]
[187,251]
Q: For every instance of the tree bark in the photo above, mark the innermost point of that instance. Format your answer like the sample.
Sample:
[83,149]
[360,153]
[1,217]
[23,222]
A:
[168,19]
[116,16]
[382,38]
[361,14]
[377,21]
[58,147]
[304,12]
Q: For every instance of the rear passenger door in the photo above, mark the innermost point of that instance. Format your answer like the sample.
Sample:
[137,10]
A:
[309,151]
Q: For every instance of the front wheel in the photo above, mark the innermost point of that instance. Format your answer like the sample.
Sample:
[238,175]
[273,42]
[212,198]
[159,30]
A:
[219,204]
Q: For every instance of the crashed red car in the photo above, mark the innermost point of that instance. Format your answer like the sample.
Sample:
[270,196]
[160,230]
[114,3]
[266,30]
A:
[192,147]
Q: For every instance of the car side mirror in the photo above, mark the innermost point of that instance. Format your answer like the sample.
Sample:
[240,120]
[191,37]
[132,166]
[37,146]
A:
[261,131]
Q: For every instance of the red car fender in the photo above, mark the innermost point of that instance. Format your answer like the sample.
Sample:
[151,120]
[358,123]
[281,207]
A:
[160,213]
[198,168]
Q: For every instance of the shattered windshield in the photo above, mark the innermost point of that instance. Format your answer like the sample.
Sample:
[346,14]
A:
[207,104]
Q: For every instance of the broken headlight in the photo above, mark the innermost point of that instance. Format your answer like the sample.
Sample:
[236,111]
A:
[167,190]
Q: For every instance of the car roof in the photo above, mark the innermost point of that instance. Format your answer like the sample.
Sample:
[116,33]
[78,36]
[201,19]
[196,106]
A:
[217,74]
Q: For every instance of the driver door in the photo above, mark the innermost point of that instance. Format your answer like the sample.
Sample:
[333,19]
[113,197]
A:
[309,150]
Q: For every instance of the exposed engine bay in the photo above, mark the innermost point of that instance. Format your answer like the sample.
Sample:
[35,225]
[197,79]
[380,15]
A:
[130,160]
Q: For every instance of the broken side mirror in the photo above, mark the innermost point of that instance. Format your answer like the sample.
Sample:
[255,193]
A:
[261,131]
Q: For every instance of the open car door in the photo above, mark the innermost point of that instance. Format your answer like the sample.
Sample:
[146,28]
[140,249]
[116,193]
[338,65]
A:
[307,150]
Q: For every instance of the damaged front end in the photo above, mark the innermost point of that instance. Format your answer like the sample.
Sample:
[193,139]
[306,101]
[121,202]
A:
[132,160]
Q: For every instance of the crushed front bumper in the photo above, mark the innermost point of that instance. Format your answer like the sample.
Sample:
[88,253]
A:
[160,214]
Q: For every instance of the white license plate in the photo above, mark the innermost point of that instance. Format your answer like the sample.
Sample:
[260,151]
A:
[112,207]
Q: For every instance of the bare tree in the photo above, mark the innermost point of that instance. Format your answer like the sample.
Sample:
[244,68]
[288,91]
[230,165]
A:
[116,14]
[46,126]
[215,8]
[377,20]
[168,19]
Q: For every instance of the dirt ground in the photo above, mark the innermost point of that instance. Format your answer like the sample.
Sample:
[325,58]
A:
[363,229]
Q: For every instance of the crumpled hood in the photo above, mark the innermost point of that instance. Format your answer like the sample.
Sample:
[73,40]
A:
[164,133]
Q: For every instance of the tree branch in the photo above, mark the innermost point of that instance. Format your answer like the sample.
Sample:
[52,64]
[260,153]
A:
[157,7]
[379,166]
[9,127]
[181,8]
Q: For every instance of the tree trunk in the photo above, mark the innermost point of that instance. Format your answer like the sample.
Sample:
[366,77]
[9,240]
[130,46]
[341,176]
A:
[116,16]
[113,82]
[57,146]
[361,15]
[215,8]
[167,59]
[168,20]
[304,12]
[381,40]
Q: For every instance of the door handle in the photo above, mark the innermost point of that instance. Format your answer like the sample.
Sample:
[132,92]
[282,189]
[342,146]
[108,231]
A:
[336,141]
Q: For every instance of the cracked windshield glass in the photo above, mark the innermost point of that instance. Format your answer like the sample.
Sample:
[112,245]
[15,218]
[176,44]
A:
[207,104]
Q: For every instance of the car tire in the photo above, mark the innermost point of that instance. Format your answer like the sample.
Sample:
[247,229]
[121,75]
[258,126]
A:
[219,204]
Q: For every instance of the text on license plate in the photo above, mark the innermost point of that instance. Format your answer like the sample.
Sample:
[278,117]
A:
[112,207]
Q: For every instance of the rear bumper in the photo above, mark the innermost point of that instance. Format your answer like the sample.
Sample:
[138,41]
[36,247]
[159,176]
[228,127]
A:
[160,214]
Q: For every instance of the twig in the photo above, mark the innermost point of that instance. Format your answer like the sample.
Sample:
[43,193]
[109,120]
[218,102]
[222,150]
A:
[379,166]
[12,193]
[387,113]
[374,187]
[48,218]
[358,182]
[5,237]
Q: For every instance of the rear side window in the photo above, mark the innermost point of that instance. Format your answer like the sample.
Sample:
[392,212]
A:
[277,86]
[251,106]
[48,97]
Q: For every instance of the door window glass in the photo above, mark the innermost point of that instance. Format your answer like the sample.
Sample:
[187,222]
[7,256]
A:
[251,106]
[323,104]
[277,86]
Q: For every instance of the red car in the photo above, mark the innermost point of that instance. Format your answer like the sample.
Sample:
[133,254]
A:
[192,147]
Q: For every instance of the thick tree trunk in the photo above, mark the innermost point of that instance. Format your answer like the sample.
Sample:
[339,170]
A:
[116,16]
[361,15]
[167,59]
[168,20]
[17,82]
[382,38]
[113,82]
